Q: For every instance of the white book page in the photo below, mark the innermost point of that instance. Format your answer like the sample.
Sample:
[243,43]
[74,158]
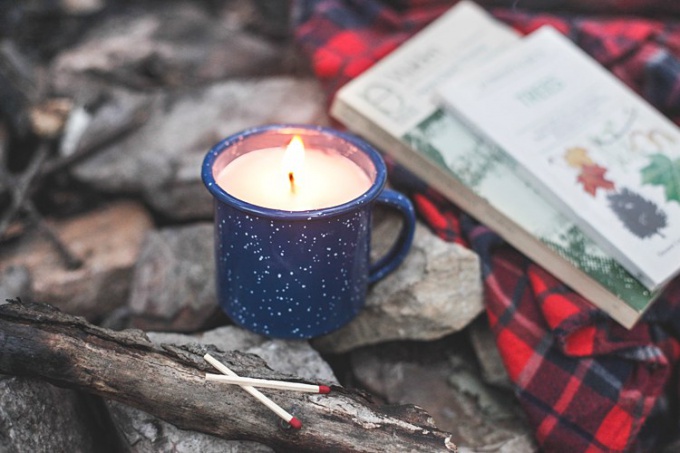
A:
[592,146]
[397,91]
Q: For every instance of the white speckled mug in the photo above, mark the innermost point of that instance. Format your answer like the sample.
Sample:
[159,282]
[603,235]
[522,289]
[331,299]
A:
[299,274]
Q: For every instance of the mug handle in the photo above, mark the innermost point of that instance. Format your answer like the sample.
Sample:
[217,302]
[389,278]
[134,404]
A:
[393,258]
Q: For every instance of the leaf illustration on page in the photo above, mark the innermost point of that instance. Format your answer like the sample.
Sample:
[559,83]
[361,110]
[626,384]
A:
[641,217]
[664,172]
[592,177]
[577,157]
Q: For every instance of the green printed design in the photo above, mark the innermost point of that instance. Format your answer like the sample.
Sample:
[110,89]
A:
[471,166]
[573,246]
[664,172]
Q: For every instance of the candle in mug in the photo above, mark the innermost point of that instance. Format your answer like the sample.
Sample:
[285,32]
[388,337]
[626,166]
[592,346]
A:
[293,179]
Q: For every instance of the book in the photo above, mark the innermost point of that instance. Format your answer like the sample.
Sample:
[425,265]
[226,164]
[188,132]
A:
[592,147]
[391,105]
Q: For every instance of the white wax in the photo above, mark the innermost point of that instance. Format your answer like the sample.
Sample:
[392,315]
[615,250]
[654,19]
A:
[325,179]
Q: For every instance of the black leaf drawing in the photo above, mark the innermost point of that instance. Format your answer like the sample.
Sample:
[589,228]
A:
[641,217]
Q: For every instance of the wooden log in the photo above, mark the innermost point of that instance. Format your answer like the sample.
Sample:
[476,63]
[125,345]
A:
[168,382]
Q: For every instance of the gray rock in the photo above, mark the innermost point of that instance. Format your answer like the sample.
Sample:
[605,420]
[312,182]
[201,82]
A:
[267,17]
[436,291]
[673,446]
[163,158]
[15,282]
[144,433]
[484,344]
[226,338]
[23,80]
[173,285]
[520,444]
[107,240]
[97,122]
[296,358]
[442,379]
[38,417]
[78,7]
[166,45]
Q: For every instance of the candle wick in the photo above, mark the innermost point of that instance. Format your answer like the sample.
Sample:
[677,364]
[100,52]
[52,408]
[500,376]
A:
[291,178]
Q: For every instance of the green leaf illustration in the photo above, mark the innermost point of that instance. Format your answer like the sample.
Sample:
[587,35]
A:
[664,172]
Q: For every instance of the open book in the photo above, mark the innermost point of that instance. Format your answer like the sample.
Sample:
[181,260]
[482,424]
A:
[589,144]
[391,106]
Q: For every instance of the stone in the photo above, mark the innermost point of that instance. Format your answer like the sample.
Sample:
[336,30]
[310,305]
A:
[490,361]
[268,18]
[296,358]
[15,282]
[226,338]
[442,378]
[436,291]
[4,144]
[36,416]
[162,159]
[673,446]
[94,122]
[173,285]
[520,444]
[144,433]
[107,240]
[78,7]
[171,44]
[22,79]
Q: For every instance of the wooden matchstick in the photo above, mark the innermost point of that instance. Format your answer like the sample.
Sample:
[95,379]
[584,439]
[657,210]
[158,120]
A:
[264,383]
[278,410]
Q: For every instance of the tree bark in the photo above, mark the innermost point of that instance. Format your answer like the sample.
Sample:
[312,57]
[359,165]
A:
[168,381]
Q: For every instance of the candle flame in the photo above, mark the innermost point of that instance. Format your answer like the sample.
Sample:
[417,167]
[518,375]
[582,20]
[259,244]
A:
[293,161]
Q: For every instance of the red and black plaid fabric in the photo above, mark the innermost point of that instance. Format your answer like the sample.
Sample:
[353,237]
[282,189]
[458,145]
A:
[586,384]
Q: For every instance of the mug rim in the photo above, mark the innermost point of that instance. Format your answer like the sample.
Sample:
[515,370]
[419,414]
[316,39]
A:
[223,196]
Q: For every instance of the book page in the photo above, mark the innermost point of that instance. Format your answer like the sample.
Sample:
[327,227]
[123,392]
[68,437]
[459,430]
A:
[597,150]
[397,91]
[404,121]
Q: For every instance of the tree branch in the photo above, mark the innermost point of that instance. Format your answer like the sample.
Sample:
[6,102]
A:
[168,382]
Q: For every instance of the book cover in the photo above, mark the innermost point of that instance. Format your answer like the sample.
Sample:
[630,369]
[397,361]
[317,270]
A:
[391,105]
[592,146]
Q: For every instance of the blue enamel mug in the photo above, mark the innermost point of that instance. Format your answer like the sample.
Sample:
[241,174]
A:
[299,273]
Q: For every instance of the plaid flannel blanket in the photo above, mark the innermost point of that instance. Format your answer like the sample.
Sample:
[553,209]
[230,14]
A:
[586,384]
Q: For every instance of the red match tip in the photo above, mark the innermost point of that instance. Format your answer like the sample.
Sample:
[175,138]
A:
[324,389]
[295,423]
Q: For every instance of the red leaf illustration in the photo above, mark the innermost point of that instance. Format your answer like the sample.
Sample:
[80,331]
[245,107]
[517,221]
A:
[592,178]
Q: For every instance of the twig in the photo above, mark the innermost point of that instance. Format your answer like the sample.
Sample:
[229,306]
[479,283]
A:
[20,191]
[22,188]
[19,187]
[70,260]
